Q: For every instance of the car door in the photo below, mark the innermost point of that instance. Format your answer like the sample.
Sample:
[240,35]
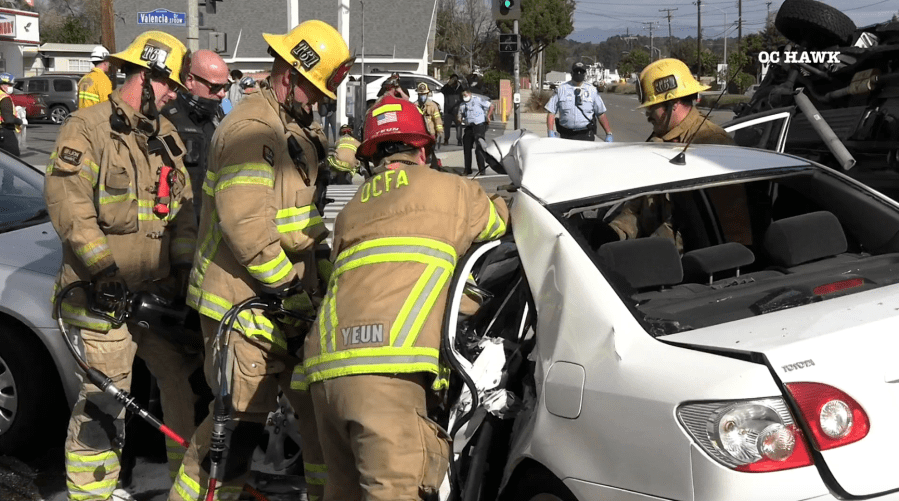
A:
[766,130]
[39,86]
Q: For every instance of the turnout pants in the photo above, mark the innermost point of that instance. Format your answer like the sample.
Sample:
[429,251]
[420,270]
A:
[256,375]
[378,442]
[469,141]
[97,429]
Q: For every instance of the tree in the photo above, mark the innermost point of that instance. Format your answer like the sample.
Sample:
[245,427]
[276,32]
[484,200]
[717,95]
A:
[464,29]
[542,23]
[633,62]
[70,21]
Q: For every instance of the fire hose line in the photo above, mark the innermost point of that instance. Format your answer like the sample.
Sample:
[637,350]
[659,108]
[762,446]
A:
[222,407]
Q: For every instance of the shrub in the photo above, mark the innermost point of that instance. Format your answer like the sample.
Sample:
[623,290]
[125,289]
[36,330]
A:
[490,82]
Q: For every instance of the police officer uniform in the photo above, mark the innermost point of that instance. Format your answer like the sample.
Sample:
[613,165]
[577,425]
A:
[196,129]
[579,108]
[474,115]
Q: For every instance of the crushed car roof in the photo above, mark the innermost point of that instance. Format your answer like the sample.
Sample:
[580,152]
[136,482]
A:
[556,170]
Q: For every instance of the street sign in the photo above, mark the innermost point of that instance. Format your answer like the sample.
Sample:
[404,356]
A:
[508,42]
[162,17]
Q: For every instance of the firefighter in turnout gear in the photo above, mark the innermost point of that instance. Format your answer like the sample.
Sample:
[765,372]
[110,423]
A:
[431,111]
[95,87]
[258,229]
[9,122]
[372,356]
[104,189]
[343,161]
[667,91]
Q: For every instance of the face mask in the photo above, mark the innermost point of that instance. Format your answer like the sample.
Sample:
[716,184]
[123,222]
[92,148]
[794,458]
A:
[579,77]
[422,98]
[466,98]
[203,106]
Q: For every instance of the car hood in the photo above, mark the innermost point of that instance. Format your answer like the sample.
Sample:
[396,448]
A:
[849,343]
[556,170]
[35,248]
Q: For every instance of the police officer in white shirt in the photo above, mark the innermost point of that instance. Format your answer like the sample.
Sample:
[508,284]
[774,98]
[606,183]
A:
[474,115]
[579,107]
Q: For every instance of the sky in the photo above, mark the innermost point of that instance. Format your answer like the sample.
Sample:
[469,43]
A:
[600,19]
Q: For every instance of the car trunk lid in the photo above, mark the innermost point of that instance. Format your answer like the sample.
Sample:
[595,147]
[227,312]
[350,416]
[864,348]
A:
[849,343]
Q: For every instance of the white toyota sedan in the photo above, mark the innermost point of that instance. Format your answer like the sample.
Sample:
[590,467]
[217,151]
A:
[740,344]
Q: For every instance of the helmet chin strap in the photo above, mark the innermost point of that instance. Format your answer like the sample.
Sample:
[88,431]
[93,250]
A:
[294,108]
[148,103]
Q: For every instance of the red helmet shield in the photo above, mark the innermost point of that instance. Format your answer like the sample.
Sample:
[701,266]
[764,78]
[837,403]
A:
[394,120]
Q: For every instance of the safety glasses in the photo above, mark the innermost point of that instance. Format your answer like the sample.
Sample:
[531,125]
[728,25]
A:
[213,87]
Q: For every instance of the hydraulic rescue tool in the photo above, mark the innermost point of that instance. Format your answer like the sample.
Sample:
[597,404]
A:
[137,308]
[222,408]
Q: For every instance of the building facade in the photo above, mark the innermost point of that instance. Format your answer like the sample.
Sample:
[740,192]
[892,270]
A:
[398,39]
[19,39]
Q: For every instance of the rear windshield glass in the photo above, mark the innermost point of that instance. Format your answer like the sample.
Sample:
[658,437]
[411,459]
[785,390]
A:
[694,257]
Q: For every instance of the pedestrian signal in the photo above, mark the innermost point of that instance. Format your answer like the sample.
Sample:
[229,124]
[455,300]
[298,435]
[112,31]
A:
[508,42]
[506,10]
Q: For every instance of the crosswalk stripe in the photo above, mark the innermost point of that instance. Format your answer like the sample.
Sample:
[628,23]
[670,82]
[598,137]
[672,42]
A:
[341,194]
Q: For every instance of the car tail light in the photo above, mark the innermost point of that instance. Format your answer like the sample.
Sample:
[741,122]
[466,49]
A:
[749,436]
[833,417]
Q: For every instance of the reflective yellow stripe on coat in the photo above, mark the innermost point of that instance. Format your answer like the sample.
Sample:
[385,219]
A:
[399,355]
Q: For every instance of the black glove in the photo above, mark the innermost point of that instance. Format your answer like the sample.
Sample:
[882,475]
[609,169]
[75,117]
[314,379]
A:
[110,292]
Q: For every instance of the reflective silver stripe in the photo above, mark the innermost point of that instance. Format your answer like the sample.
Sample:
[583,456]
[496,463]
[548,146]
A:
[344,258]
[272,270]
[432,281]
[371,361]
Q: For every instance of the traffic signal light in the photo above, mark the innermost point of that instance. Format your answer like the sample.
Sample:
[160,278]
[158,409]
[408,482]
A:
[506,10]
[508,42]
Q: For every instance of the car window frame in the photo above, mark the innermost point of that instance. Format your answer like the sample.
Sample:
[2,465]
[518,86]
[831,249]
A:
[785,114]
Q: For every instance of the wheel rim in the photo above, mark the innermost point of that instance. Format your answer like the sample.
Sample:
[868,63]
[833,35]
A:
[58,115]
[9,397]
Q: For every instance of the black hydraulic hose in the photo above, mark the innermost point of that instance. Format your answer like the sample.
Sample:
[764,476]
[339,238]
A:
[101,380]
[480,451]
[221,411]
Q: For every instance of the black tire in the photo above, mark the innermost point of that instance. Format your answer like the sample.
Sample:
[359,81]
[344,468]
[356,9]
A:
[31,412]
[813,25]
[58,113]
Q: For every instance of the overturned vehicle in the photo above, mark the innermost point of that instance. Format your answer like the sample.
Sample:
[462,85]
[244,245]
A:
[832,95]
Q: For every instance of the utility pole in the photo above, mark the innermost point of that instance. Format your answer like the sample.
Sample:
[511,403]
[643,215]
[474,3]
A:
[516,87]
[669,28]
[650,26]
[107,26]
[768,13]
[739,23]
[193,26]
[699,38]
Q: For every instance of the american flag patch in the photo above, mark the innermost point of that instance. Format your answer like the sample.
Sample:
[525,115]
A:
[386,118]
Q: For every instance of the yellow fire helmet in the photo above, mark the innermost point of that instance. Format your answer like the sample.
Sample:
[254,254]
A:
[665,80]
[317,51]
[156,51]
[423,88]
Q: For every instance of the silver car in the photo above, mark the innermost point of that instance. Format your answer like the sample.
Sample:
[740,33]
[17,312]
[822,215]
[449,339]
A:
[755,360]
[37,374]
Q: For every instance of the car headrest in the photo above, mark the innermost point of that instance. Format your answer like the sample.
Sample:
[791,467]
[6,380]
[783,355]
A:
[710,260]
[644,262]
[796,240]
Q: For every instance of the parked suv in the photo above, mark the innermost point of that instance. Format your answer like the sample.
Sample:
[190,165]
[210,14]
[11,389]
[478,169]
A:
[59,92]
